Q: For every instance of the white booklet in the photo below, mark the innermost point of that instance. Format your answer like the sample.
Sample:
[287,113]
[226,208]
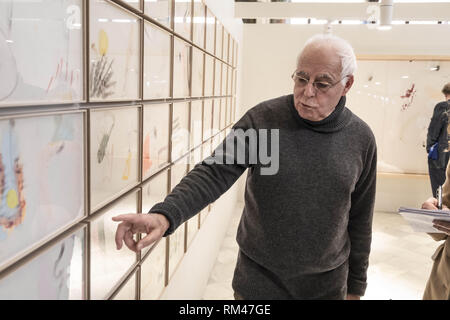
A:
[421,220]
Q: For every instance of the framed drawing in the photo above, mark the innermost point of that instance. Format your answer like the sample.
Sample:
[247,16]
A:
[207,118]
[128,290]
[195,157]
[231,51]
[176,239]
[114,49]
[159,10]
[155,151]
[216,116]
[47,67]
[229,81]
[57,273]
[228,100]
[399,98]
[153,192]
[181,69]
[134,3]
[114,152]
[197,72]
[108,265]
[157,44]
[196,123]
[235,82]
[210,43]
[219,39]
[223,114]
[224,79]
[180,130]
[42,179]
[225,45]
[182,22]
[153,272]
[233,110]
[199,23]
[236,54]
[209,76]
[217,77]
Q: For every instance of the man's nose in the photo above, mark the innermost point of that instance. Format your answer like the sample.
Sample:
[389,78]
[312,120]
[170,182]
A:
[310,91]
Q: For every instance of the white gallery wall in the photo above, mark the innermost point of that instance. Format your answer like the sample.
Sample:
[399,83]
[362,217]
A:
[270,52]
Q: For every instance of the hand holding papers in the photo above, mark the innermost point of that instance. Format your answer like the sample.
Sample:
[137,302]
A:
[421,220]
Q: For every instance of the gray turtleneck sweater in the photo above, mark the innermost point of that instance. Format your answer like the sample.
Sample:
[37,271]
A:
[311,217]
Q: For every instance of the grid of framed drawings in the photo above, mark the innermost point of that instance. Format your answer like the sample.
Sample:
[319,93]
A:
[121,102]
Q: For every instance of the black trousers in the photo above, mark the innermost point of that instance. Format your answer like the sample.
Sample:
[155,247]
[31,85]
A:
[437,172]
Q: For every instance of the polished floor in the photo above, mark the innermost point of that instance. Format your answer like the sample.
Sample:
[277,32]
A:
[400,261]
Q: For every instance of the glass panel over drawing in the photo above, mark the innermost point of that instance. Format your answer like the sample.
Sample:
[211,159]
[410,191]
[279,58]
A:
[159,10]
[196,123]
[199,23]
[134,3]
[222,113]
[210,31]
[153,272]
[47,66]
[128,291]
[183,18]
[109,265]
[176,239]
[219,40]
[216,116]
[197,72]
[55,274]
[114,53]
[156,62]
[181,76]
[155,138]
[114,151]
[207,119]
[224,79]
[225,45]
[42,180]
[153,192]
[209,75]
[398,99]
[180,130]
[217,77]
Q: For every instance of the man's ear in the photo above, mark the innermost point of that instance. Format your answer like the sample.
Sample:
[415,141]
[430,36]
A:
[348,84]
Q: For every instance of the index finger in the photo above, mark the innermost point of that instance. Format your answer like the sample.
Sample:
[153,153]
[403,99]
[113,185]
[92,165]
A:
[130,217]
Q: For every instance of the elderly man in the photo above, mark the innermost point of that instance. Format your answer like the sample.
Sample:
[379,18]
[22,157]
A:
[305,231]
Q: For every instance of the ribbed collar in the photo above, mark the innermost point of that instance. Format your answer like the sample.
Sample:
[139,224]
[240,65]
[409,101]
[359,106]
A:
[337,120]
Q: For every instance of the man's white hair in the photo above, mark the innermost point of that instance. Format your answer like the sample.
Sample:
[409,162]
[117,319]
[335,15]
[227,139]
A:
[343,49]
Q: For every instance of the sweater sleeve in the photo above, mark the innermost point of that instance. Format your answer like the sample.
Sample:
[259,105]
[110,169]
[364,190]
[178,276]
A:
[208,180]
[360,224]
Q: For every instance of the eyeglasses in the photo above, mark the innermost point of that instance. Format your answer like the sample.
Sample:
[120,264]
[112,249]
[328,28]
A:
[321,86]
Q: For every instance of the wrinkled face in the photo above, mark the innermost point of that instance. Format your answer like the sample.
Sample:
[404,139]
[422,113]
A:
[323,66]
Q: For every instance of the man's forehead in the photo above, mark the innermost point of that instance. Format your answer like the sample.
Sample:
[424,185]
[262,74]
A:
[322,60]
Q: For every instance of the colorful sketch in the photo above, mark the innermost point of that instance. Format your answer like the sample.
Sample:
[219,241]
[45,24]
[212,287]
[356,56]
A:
[153,272]
[55,274]
[156,141]
[109,265]
[46,67]
[409,96]
[115,63]
[41,179]
[156,62]
[113,152]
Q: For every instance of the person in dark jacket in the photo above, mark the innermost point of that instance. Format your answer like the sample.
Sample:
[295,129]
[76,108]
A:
[437,133]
